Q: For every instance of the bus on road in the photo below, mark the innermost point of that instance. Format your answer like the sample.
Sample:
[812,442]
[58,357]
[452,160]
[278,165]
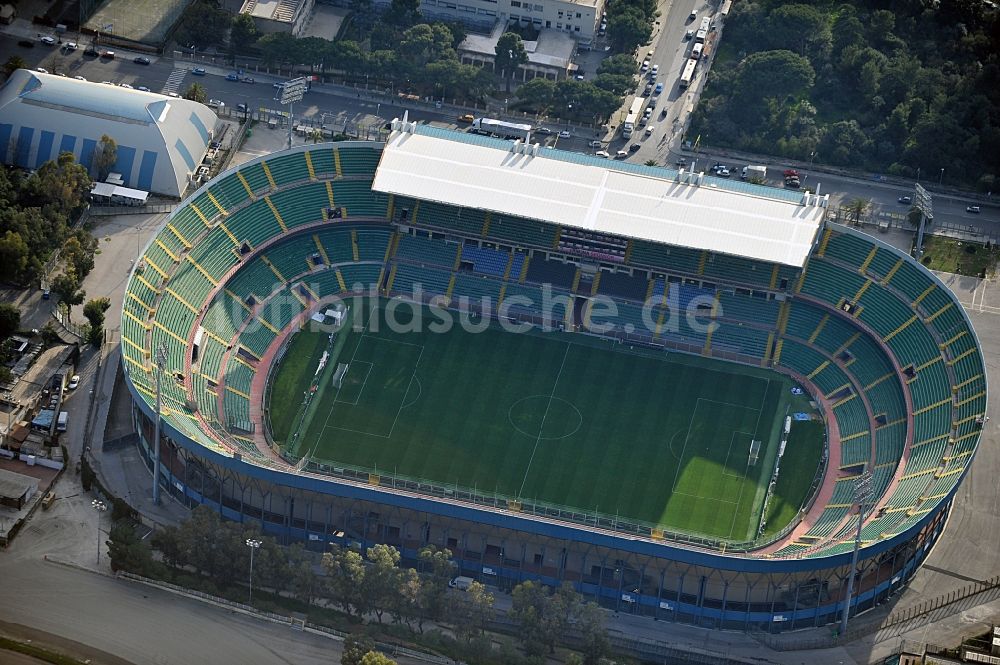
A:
[688,74]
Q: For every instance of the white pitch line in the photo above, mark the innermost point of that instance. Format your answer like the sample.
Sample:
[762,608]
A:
[739,498]
[541,427]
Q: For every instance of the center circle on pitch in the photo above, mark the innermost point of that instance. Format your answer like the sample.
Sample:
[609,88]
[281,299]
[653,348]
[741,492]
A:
[545,418]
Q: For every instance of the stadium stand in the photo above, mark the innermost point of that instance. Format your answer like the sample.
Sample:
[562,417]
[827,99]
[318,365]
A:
[874,334]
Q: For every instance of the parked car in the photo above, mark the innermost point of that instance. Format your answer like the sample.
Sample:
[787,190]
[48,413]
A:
[73,382]
[143,88]
[621,154]
[45,39]
[126,85]
[564,134]
[650,129]
[198,71]
[663,114]
[79,78]
[645,65]
[654,71]
[466,118]
[689,35]
[242,108]
[972,209]
[545,131]
[595,144]
[648,90]
[602,153]
[41,70]
[634,147]
[693,15]
[658,89]
[71,46]
[142,60]
[232,77]
[247,79]
[216,103]
[906,200]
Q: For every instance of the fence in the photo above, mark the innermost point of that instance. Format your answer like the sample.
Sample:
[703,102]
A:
[786,642]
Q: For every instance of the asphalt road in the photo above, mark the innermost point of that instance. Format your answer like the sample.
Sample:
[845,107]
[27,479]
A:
[669,49]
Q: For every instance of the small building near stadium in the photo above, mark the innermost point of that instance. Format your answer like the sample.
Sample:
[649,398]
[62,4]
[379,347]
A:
[160,139]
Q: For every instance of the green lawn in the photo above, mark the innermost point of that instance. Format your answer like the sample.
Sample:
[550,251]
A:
[561,418]
[959,257]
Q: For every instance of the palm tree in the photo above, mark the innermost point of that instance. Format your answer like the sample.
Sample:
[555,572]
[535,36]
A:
[651,162]
[14,63]
[857,208]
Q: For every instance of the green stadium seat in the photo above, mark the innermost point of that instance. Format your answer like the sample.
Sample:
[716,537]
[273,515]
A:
[287,169]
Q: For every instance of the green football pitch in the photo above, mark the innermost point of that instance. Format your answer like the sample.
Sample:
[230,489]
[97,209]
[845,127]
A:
[562,418]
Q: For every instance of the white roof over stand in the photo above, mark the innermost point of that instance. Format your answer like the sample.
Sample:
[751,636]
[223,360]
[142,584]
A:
[595,194]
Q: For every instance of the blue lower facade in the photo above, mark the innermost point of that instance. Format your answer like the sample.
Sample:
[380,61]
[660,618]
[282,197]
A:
[665,582]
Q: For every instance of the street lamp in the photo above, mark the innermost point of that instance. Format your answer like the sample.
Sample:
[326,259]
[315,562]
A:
[101,508]
[862,496]
[941,177]
[253,544]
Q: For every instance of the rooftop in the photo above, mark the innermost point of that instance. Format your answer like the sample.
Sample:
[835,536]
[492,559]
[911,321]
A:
[553,48]
[97,99]
[596,194]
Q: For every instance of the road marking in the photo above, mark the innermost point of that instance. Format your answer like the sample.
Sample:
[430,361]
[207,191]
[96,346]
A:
[174,81]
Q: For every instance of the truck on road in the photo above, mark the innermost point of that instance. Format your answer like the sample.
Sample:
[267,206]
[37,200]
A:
[507,130]
[634,111]
[754,173]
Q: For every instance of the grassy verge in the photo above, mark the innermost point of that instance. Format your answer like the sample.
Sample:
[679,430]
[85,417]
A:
[36,651]
[959,257]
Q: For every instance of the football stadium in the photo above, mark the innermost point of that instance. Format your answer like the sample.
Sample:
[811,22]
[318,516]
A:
[660,386]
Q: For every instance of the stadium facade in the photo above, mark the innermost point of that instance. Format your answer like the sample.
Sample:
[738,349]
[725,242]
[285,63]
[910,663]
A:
[879,342]
[161,139]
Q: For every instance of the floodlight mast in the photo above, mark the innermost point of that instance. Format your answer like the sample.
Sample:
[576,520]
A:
[862,496]
[292,91]
[160,360]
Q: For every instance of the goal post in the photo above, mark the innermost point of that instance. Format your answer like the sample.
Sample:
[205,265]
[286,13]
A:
[754,452]
[338,376]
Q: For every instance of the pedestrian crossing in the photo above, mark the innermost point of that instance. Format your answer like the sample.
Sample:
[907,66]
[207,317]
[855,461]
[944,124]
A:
[174,81]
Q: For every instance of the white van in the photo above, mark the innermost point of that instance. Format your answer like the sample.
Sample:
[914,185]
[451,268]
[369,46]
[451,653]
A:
[461,583]
[62,421]
[696,51]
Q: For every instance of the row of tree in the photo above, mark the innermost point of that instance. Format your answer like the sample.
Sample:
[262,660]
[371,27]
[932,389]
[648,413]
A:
[369,585]
[906,89]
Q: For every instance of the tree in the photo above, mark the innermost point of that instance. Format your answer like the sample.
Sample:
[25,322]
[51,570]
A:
[403,12]
[773,74]
[472,611]
[279,48]
[13,256]
[382,577]
[203,24]
[10,319]
[531,609]
[628,28]
[590,624]
[14,63]
[620,65]
[857,208]
[438,569]
[196,93]
[537,93]
[377,658]
[510,55]
[78,253]
[346,580]
[94,312]
[651,162]
[127,551]
[243,33]
[355,648]
[66,289]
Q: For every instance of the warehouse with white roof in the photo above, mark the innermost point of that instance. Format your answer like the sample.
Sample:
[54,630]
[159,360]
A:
[161,140]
